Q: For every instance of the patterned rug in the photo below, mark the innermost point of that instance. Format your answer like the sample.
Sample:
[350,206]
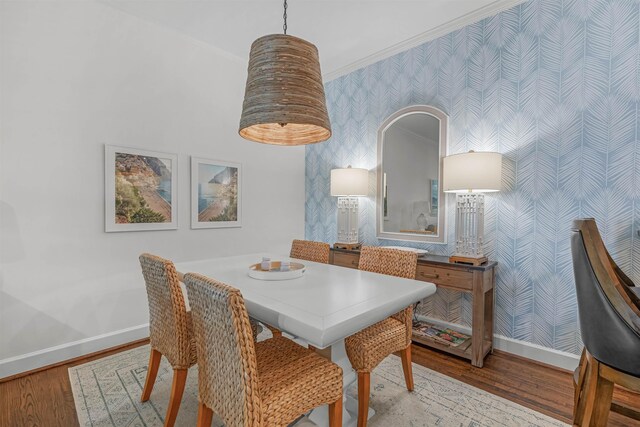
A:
[107,393]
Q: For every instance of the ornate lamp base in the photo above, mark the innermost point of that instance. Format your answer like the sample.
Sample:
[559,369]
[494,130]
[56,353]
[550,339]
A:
[347,220]
[469,229]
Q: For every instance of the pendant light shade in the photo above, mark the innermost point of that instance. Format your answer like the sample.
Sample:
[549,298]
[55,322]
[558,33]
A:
[284,101]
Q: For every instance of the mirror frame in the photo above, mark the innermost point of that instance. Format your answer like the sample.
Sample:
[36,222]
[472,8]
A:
[443,118]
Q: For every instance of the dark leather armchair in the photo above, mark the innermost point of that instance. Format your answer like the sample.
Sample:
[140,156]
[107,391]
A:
[609,314]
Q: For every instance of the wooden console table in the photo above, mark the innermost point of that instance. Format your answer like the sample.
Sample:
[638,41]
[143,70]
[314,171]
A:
[479,281]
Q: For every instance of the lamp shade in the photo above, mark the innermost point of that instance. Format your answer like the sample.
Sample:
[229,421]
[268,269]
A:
[284,101]
[472,172]
[349,182]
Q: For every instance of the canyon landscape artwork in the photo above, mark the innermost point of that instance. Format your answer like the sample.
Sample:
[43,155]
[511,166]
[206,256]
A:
[143,189]
[140,190]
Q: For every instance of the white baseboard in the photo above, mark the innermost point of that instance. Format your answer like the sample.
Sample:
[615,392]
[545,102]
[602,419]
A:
[557,358]
[60,353]
[560,359]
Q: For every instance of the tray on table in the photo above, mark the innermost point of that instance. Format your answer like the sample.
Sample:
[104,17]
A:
[296,270]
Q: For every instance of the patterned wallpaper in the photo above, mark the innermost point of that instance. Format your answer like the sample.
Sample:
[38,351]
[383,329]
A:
[555,86]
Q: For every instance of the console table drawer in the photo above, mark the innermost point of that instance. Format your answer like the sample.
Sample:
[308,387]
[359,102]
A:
[346,260]
[448,277]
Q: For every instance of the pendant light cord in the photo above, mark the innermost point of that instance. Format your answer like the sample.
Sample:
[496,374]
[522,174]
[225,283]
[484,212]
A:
[284,15]
[284,27]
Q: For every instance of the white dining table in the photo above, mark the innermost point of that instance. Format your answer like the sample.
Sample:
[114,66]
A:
[323,307]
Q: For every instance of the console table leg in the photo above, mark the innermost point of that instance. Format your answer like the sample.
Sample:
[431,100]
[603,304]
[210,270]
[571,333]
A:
[478,321]
[489,304]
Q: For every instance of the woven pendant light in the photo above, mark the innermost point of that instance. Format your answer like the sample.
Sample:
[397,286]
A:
[284,102]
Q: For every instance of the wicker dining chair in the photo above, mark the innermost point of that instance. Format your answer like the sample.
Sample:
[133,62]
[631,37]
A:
[310,251]
[268,383]
[170,329]
[367,348]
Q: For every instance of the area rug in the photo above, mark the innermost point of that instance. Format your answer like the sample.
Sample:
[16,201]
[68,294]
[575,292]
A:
[107,393]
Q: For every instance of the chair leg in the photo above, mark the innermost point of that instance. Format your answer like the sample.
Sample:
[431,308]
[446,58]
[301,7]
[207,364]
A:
[205,415]
[152,373]
[578,383]
[405,355]
[604,394]
[586,401]
[177,388]
[335,413]
[364,387]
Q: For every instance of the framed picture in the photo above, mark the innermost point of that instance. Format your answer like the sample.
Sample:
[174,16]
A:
[216,193]
[140,190]
[434,197]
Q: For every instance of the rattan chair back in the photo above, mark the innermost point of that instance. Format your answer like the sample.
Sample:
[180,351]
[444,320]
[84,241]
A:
[227,367]
[168,320]
[310,251]
[393,262]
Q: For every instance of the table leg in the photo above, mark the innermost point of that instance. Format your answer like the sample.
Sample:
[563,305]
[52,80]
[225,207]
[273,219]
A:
[489,304]
[320,416]
[478,321]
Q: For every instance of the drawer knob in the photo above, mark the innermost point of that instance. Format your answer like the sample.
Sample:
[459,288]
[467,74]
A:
[429,276]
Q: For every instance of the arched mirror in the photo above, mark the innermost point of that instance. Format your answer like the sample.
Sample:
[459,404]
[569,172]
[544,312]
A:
[410,201]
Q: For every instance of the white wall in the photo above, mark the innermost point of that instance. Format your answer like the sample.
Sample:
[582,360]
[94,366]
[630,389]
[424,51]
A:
[77,75]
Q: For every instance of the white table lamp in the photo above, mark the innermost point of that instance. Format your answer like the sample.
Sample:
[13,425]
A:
[348,184]
[469,175]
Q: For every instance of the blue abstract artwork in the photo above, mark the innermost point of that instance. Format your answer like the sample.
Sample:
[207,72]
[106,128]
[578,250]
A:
[554,85]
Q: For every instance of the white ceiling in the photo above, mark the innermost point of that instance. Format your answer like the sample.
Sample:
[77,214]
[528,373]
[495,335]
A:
[349,34]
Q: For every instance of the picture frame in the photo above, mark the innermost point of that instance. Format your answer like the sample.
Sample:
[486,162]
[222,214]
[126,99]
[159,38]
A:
[216,193]
[140,189]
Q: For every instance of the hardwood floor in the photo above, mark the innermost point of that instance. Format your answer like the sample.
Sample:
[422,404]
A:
[44,398]
[543,388]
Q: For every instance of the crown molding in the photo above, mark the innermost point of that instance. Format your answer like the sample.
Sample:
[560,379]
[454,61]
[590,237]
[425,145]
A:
[439,31]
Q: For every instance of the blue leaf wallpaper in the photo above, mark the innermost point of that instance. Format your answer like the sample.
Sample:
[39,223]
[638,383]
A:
[554,85]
